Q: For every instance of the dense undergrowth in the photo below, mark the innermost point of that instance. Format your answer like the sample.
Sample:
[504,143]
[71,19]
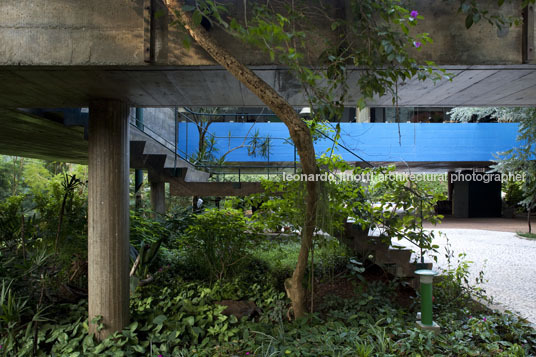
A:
[177,290]
[174,316]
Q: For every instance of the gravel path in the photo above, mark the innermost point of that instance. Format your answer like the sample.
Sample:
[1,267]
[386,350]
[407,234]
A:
[508,263]
[518,224]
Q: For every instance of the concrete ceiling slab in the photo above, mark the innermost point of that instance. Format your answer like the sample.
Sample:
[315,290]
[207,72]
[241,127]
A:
[34,87]
[27,135]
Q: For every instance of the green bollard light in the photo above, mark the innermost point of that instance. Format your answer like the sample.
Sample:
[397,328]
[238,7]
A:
[426,280]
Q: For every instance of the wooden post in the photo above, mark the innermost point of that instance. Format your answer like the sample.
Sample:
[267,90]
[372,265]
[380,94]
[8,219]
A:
[108,216]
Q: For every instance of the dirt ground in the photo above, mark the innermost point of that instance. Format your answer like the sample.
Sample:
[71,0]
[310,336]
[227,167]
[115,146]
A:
[514,225]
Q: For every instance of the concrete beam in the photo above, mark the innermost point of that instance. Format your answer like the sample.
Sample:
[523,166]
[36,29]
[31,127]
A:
[59,53]
[27,135]
[181,188]
[108,216]
[25,87]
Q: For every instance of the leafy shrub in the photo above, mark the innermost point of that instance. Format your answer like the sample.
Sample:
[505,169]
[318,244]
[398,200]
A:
[177,318]
[218,242]
[172,321]
[10,220]
[513,193]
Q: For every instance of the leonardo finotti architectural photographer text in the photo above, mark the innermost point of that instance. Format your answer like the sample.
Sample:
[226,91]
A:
[400,176]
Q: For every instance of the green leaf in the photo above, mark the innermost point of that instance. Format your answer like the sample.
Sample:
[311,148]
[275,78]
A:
[138,348]
[188,8]
[187,43]
[133,326]
[190,320]
[159,319]
[468,21]
[197,17]
[134,282]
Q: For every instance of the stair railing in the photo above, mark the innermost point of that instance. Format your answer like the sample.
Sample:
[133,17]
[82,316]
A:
[153,134]
[186,111]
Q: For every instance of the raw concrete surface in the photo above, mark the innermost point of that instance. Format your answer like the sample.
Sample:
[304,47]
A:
[101,32]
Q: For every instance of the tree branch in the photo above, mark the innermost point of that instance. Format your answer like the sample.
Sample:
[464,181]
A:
[299,132]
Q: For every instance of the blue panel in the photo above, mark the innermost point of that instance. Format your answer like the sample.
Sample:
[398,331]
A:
[372,141]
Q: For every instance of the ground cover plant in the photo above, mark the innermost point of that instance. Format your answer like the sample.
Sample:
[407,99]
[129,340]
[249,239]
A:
[527,235]
[180,303]
[180,317]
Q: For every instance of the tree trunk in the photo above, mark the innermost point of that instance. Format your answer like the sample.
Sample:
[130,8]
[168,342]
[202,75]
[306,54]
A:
[299,132]
[60,219]
[22,233]
[528,218]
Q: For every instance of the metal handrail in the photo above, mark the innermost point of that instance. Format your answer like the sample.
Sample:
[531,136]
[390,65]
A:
[232,137]
[276,138]
[159,137]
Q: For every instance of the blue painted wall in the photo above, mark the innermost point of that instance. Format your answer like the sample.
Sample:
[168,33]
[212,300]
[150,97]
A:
[372,141]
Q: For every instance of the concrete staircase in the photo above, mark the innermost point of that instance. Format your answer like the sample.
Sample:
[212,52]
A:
[148,153]
[397,261]
[160,161]
[63,134]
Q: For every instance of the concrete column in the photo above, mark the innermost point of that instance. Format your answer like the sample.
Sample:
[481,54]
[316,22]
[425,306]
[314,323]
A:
[108,215]
[138,174]
[158,194]
[450,187]
[363,116]
[460,199]
[138,183]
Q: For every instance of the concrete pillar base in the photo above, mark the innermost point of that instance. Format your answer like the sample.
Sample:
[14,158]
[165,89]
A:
[435,328]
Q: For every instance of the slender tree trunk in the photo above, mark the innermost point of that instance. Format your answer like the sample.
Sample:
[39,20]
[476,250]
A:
[312,284]
[201,143]
[60,219]
[528,218]
[299,132]
[17,174]
[22,233]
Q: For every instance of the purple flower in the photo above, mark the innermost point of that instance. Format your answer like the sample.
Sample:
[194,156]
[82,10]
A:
[417,44]
[484,319]
[414,14]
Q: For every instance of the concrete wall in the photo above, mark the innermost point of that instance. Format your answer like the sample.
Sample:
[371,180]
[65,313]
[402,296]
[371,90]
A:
[161,122]
[454,44]
[67,32]
[101,32]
